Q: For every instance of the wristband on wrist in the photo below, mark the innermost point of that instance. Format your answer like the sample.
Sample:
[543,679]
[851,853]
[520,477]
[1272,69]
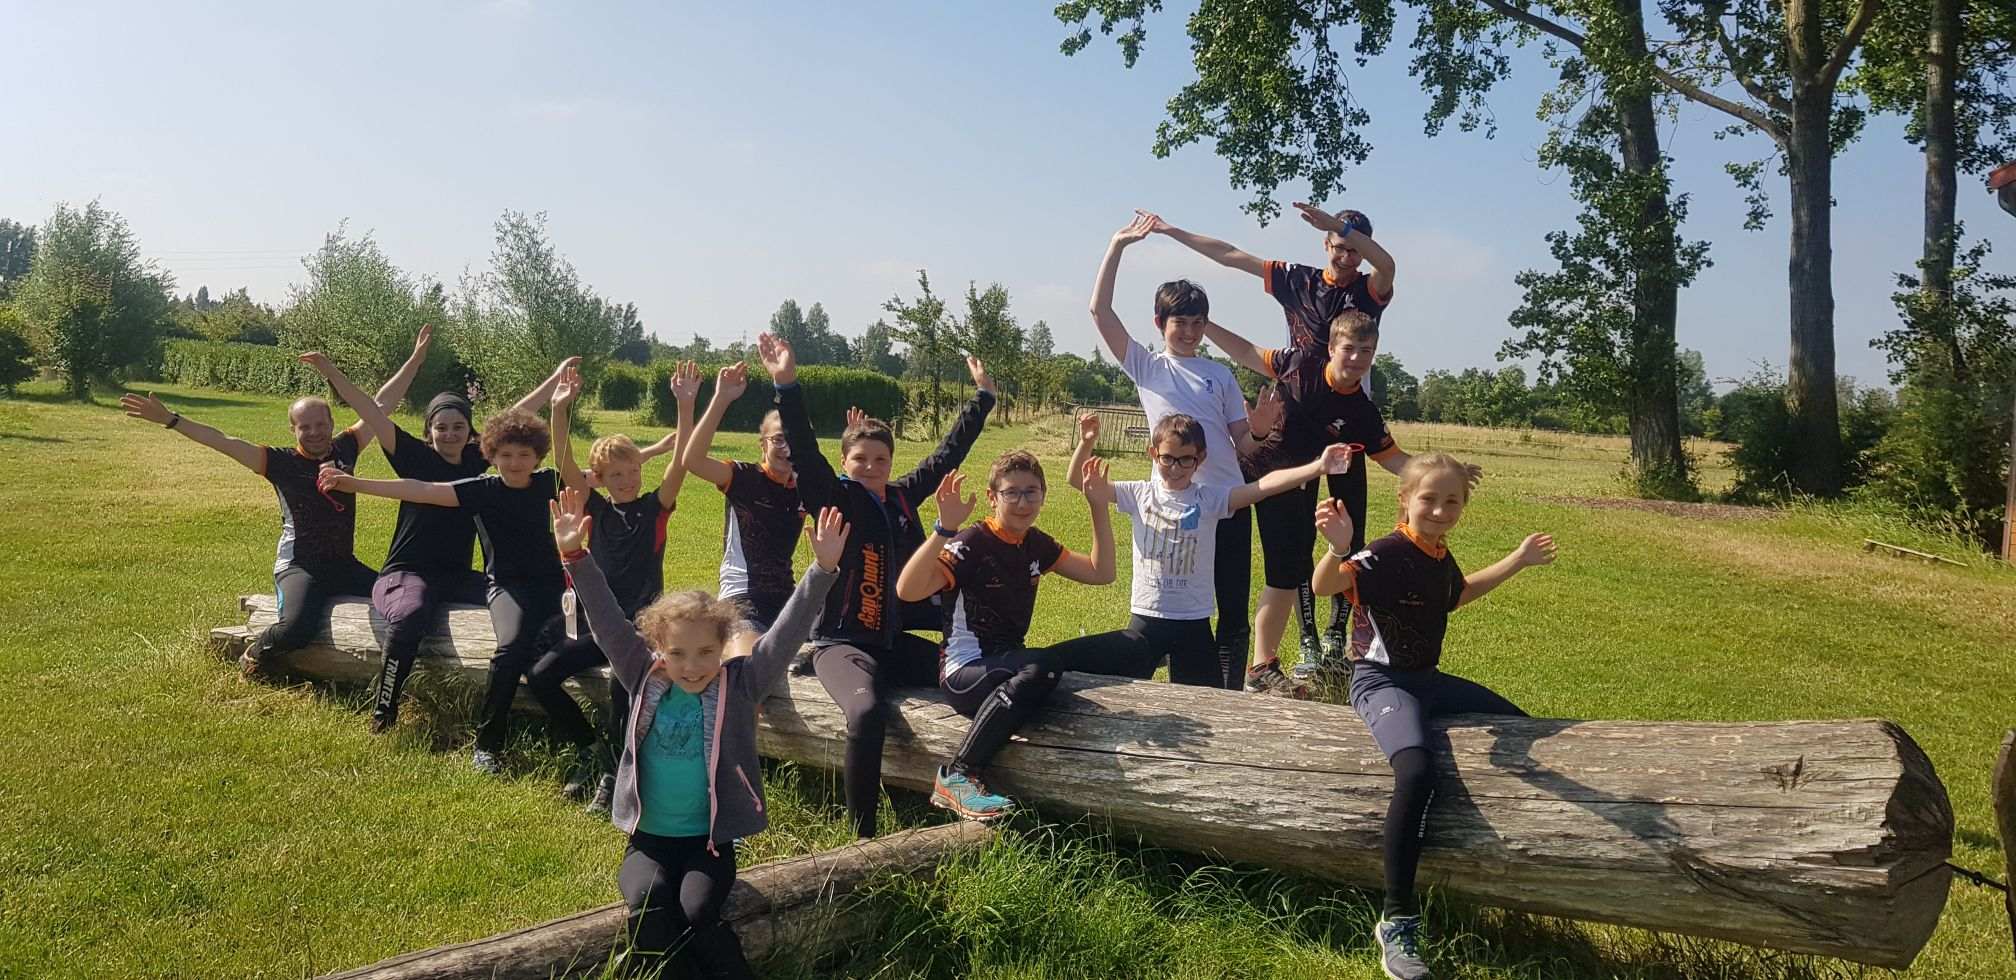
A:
[573,556]
[943,530]
[174,419]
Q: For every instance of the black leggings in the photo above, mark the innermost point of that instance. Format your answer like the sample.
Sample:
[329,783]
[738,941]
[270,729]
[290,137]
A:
[403,607]
[1002,692]
[1232,579]
[675,889]
[858,679]
[517,610]
[304,594]
[565,658]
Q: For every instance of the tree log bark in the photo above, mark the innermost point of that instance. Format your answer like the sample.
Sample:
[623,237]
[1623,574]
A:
[1825,837]
[793,905]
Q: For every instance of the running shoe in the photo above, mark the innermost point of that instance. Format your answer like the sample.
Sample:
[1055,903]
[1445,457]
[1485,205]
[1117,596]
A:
[1400,948]
[1266,677]
[963,795]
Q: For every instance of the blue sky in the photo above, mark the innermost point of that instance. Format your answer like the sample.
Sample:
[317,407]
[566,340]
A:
[707,161]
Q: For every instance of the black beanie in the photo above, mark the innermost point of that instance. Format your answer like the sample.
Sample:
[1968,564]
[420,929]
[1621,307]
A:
[448,401]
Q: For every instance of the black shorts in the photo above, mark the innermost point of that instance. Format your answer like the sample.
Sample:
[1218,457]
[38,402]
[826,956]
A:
[1287,524]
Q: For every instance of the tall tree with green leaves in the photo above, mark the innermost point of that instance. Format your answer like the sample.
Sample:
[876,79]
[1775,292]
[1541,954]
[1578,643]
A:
[17,254]
[91,304]
[876,350]
[356,306]
[989,332]
[922,324]
[529,312]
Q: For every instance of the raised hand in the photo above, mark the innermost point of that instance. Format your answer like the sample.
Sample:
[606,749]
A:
[1263,416]
[778,358]
[317,360]
[686,381]
[1334,524]
[147,409]
[570,364]
[731,381]
[1088,427]
[829,538]
[855,416]
[1141,227]
[981,379]
[1337,458]
[569,387]
[1156,226]
[1096,486]
[571,523]
[1537,549]
[952,510]
[1320,219]
[423,340]
[335,479]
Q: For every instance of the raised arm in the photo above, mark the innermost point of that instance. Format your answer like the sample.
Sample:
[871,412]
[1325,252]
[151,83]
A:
[564,393]
[1358,241]
[1111,330]
[959,438]
[817,485]
[1088,435]
[1239,349]
[1097,567]
[629,655]
[923,576]
[393,391]
[729,384]
[377,423]
[1537,549]
[685,388]
[1226,255]
[537,398]
[333,479]
[150,409]
[1336,459]
[1334,573]
[778,644]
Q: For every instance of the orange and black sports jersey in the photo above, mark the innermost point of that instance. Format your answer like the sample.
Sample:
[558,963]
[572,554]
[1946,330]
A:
[1316,412]
[992,574]
[759,532]
[1401,595]
[1311,298]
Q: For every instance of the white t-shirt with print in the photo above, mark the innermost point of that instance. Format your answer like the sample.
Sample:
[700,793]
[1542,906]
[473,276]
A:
[1175,544]
[1200,388]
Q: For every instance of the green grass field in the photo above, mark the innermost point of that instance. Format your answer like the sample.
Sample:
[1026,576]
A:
[160,817]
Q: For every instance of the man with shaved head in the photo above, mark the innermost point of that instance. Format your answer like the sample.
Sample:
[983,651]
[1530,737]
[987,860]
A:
[316,560]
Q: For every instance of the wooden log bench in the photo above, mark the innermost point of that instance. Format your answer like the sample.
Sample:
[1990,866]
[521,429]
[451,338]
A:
[795,906]
[1825,837]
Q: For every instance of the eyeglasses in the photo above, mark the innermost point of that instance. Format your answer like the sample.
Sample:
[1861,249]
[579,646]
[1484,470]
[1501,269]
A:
[776,440]
[1020,496]
[1178,462]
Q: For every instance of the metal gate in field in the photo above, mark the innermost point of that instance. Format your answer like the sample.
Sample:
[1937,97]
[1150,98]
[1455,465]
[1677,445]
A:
[1122,428]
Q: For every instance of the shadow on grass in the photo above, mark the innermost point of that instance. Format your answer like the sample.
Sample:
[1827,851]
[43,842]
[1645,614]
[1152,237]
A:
[26,437]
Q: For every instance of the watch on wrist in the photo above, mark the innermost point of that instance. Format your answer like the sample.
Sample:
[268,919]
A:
[943,530]
[174,419]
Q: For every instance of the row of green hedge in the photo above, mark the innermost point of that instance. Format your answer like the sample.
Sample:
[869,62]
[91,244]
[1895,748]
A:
[238,367]
[829,392]
[623,386]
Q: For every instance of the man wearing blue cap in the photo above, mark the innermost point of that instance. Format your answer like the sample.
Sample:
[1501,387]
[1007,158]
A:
[1312,298]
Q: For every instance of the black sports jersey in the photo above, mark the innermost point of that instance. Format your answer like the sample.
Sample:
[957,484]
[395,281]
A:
[515,526]
[1316,413]
[1401,596]
[1310,299]
[993,575]
[316,529]
[628,542]
[428,539]
[759,532]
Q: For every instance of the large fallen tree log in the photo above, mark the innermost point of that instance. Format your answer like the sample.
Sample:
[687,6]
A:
[793,906]
[1825,837]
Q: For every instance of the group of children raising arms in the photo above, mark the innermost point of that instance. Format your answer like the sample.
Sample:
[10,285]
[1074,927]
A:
[685,782]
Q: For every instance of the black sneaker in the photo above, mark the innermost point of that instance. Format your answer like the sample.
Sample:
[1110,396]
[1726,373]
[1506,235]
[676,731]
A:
[1400,948]
[382,722]
[580,777]
[1266,677]
[605,796]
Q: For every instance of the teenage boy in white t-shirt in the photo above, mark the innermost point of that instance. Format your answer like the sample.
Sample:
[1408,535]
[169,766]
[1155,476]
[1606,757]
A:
[1176,381]
[1176,516]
